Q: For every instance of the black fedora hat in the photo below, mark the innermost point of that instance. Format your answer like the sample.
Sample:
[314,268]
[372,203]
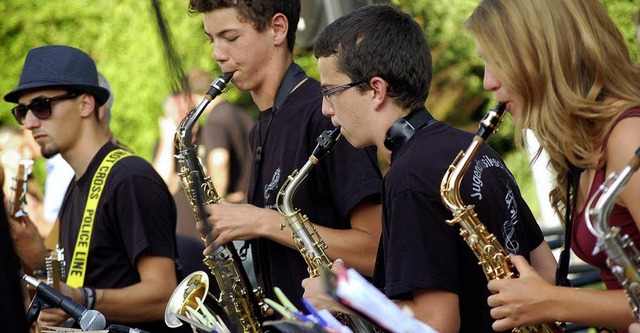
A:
[59,66]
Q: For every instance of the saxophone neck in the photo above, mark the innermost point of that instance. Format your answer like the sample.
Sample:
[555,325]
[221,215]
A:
[284,201]
[450,185]
[184,133]
[601,203]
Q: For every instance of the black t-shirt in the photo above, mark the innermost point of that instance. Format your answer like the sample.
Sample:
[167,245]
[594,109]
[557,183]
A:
[332,189]
[135,216]
[419,249]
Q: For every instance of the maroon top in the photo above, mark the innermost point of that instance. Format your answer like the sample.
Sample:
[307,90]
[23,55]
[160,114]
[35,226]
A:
[584,241]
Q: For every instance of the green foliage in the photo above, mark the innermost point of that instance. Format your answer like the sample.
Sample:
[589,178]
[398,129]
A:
[456,90]
[123,39]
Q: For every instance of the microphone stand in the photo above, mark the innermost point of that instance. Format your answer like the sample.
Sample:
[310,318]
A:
[37,304]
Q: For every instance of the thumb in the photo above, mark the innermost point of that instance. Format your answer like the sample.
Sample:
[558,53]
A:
[338,266]
[521,264]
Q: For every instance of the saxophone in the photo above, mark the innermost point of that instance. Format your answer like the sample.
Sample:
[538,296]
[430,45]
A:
[242,306]
[623,256]
[305,236]
[491,254]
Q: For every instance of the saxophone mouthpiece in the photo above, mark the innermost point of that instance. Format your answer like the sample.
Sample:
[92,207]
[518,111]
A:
[326,141]
[491,120]
[227,76]
[218,85]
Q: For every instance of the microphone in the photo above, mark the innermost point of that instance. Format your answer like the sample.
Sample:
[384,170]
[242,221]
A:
[90,320]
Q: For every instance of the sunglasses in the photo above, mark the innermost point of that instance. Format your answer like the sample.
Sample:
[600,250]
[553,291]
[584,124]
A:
[40,107]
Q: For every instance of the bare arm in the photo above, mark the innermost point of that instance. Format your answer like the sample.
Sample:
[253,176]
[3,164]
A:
[438,308]
[623,143]
[143,301]
[356,246]
[544,262]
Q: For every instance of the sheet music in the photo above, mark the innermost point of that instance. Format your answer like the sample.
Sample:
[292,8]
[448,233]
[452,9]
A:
[357,293]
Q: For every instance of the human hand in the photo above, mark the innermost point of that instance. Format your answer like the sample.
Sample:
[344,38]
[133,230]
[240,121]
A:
[634,327]
[27,241]
[520,301]
[230,222]
[52,317]
[315,293]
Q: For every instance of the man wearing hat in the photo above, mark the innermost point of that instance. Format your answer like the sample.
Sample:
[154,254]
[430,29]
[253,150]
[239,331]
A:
[117,221]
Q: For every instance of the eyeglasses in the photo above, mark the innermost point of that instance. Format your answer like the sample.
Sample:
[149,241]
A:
[327,93]
[40,107]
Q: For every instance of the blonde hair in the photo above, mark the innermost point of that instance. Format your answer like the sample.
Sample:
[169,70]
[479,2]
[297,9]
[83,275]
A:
[569,62]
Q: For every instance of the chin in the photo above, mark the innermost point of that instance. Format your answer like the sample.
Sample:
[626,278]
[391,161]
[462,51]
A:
[353,142]
[49,152]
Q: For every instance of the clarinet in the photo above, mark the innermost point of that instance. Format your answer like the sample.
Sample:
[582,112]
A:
[305,236]
[492,256]
[623,257]
[242,305]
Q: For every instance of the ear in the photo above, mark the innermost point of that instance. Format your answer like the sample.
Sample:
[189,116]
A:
[102,112]
[379,87]
[88,104]
[280,27]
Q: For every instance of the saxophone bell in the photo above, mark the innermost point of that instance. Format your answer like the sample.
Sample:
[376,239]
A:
[192,303]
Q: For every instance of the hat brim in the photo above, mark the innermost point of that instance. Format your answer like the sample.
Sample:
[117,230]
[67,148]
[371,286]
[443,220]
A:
[100,94]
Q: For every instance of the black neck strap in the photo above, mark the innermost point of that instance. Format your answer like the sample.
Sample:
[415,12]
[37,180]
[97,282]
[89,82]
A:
[404,128]
[573,181]
[292,77]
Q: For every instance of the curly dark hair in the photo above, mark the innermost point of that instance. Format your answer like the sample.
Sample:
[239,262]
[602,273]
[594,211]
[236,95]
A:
[256,12]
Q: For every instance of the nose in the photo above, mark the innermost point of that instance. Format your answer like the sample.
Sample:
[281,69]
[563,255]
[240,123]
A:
[219,53]
[490,81]
[30,121]
[327,108]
